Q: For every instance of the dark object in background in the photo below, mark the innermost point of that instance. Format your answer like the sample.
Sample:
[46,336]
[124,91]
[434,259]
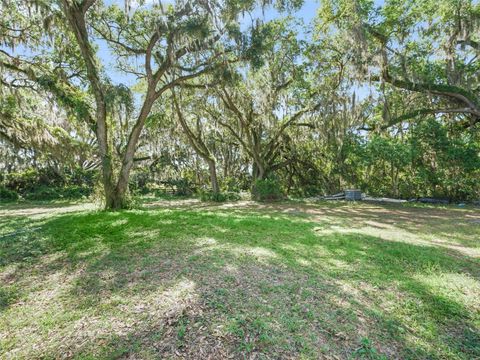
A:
[353,195]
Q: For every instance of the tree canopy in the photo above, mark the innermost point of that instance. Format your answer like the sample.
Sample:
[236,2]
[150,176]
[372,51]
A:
[243,95]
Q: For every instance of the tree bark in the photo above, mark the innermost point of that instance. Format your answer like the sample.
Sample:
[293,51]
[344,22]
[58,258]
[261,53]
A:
[75,14]
[128,157]
[213,175]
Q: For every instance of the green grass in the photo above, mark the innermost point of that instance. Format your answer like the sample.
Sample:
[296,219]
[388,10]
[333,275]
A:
[290,280]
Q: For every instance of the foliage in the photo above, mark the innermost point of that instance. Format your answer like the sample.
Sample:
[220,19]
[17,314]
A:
[267,190]
[52,193]
[431,159]
[75,191]
[7,195]
[209,195]
[139,181]
[43,193]
[183,187]
[383,97]
[47,184]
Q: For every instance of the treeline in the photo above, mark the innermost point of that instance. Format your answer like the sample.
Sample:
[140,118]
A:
[218,100]
[414,164]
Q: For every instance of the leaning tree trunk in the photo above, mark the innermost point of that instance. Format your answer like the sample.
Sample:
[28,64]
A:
[75,14]
[116,199]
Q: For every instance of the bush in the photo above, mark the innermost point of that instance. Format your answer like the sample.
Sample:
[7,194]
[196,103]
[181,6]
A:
[33,183]
[7,195]
[182,187]
[80,177]
[232,184]
[43,193]
[139,181]
[232,196]
[74,191]
[209,195]
[23,181]
[46,184]
[267,190]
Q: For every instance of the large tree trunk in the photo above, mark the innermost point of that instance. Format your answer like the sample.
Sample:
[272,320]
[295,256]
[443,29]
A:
[213,175]
[258,173]
[75,14]
[118,199]
[113,199]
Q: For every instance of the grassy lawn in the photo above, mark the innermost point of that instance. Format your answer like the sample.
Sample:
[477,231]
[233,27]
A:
[182,279]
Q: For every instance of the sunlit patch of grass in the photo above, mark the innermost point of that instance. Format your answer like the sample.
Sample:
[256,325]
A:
[281,281]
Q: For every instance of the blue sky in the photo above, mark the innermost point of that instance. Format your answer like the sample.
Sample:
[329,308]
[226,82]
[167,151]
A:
[307,13]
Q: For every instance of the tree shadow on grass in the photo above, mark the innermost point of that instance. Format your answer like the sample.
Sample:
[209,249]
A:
[237,258]
[426,221]
[451,228]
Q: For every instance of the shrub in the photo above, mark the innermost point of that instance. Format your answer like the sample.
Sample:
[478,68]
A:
[22,181]
[139,181]
[7,195]
[182,187]
[209,195]
[43,193]
[52,193]
[232,184]
[267,190]
[81,177]
[46,184]
[73,183]
[232,196]
[75,191]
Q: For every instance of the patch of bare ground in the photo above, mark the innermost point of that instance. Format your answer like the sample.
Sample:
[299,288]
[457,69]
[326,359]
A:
[36,211]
